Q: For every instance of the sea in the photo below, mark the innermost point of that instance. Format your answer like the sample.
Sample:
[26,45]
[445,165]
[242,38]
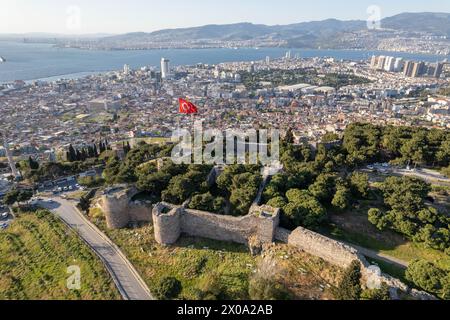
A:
[31,61]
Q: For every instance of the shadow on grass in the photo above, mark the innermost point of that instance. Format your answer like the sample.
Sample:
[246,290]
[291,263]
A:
[360,239]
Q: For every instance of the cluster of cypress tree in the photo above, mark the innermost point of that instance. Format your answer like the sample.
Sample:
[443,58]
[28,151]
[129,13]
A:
[91,151]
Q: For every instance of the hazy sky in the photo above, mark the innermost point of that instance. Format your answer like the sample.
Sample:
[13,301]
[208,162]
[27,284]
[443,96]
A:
[114,16]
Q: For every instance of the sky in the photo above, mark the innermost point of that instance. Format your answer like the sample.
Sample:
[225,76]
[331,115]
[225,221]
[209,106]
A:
[122,16]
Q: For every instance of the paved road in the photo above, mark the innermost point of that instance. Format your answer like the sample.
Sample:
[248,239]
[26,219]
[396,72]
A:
[430,176]
[379,256]
[127,280]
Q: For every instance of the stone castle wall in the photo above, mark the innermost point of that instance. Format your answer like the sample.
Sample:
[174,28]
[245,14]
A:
[328,249]
[120,211]
[342,255]
[172,221]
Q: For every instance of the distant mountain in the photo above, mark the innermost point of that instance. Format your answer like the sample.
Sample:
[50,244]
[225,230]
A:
[433,23]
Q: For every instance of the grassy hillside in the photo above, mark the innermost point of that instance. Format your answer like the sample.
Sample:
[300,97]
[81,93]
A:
[35,252]
[225,269]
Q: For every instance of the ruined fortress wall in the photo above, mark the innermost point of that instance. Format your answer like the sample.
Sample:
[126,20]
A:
[176,220]
[342,255]
[217,227]
[139,212]
[328,249]
[167,226]
[115,210]
[120,211]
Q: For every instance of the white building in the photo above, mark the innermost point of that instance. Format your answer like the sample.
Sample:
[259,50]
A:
[398,64]
[165,71]
[126,69]
[389,64]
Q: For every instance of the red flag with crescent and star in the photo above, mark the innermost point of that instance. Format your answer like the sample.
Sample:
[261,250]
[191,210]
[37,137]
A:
[187,107]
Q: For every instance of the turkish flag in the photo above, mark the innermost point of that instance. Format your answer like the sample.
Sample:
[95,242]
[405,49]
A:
[187,107]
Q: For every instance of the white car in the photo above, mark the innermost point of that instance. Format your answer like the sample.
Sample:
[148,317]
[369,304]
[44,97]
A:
[4,215]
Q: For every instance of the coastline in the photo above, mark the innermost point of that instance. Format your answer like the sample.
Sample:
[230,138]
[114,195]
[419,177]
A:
[245,48]
[80,63]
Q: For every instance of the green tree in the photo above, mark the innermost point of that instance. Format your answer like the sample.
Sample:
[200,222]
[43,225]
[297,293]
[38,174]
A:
[112,170]
[359,184]
[405,194]
[416,149]
[428,277]
[179,189]
[302,210]
[206,202]
[24,195]
[349,287]
[377,218]
[244,188]
[362,143]
[33,164]
[324,187]
[341,199]
[289,138]
[11,197]
[277,202]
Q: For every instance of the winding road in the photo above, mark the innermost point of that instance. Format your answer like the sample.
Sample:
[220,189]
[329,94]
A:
[127,280]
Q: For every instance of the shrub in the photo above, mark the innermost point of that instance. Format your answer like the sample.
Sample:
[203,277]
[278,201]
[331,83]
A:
[261,288]
[168,288]
[446,171]
[377,294]
[211,288]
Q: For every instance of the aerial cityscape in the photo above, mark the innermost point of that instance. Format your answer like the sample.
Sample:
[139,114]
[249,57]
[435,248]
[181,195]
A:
[236,161]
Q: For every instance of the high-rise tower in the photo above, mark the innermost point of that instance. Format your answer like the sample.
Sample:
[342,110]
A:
[165,71]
